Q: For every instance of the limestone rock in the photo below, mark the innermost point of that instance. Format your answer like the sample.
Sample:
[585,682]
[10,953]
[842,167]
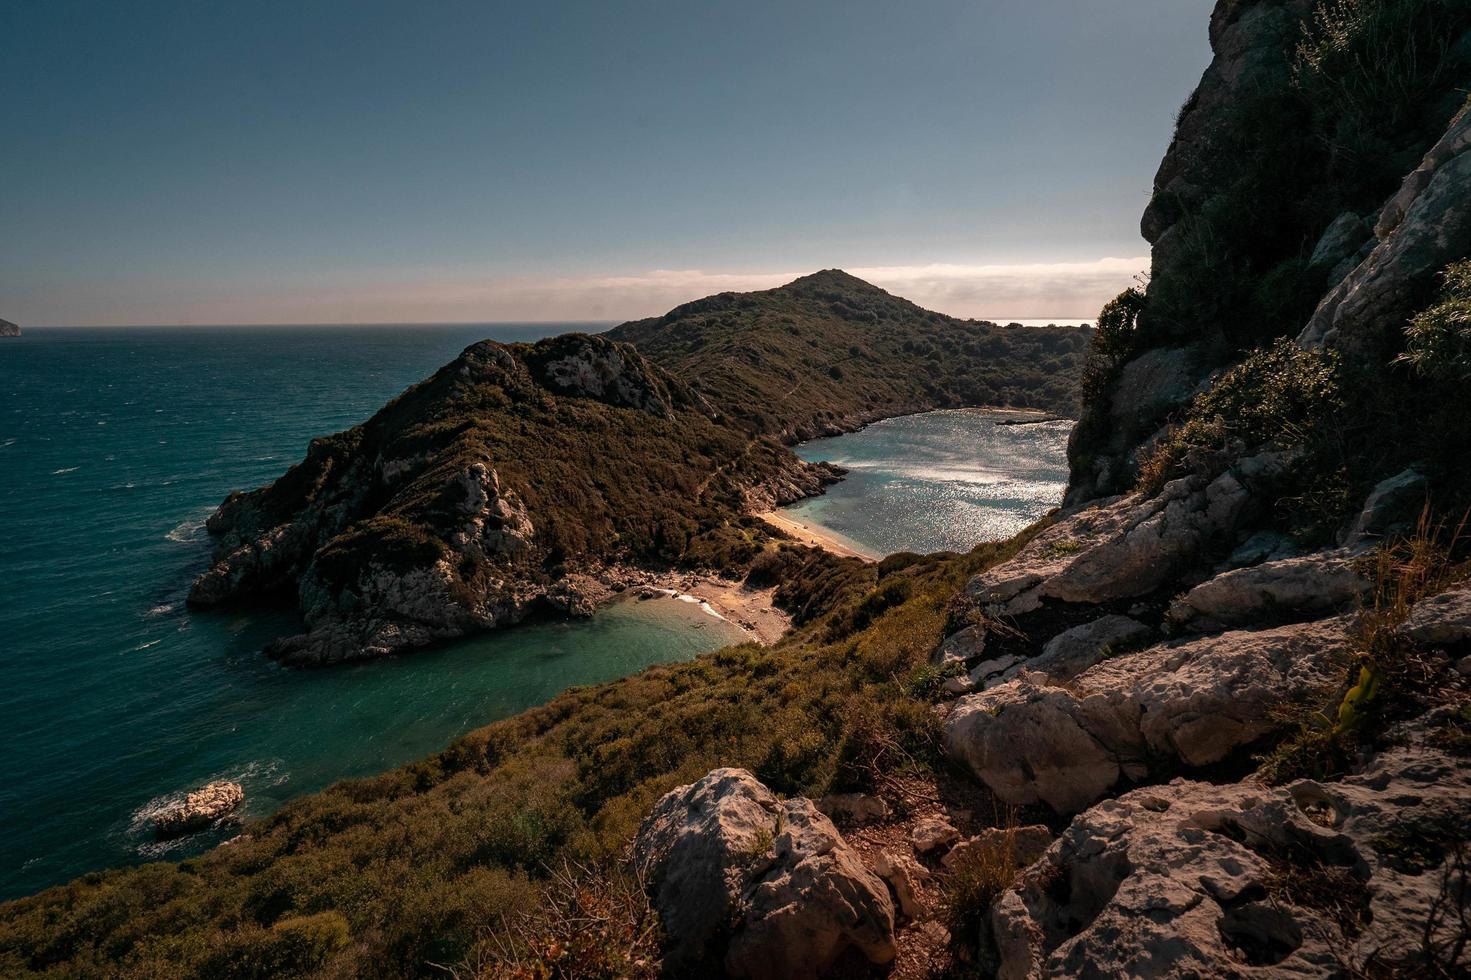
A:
[1122,548]
[988,673]
[1440,620]
[956,686]
[854,808]
[1393,505]
[906,877]
[199,809]
[1195,702]
[932,833]
[8,329]
[1074,651]
[1262,546]
[1423,227]
[963,645]
[1187,879]
[1307,587]
[1026,845]
[725,849]
[1340,243]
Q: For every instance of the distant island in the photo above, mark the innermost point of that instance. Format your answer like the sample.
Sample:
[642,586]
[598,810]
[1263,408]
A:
[523,477]
[8,329]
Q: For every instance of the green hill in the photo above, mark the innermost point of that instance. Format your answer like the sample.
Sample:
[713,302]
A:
[518,474]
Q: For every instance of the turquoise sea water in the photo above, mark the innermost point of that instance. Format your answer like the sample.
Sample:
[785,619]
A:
[941,481]
[114,445]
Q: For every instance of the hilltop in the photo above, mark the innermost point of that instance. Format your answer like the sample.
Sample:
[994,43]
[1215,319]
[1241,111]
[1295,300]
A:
[523,477]
[829,352]
[1210,718]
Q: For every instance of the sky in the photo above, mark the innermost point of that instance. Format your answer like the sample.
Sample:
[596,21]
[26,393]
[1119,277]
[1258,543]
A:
[350,161]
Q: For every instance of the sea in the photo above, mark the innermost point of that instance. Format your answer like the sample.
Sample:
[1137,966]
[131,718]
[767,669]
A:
[116,443]
[941,481]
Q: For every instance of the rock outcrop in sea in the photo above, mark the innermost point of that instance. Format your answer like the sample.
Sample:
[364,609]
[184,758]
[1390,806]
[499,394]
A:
[8,329]
[198,809]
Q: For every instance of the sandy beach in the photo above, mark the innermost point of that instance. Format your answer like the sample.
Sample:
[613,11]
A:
[748,608]
[817,537]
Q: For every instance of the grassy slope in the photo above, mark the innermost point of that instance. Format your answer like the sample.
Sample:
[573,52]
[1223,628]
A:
[384,876]
[611,481]
[829,349]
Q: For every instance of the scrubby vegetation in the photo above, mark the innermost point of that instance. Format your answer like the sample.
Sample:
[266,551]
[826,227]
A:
[1372,82]
[449,861]
[1438,341]
[1391,678]
[829,349]
[1346,422]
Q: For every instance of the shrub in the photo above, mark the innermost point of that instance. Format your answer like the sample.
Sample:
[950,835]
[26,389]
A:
[596,921]
[1114,342]
[1390,678]
[1438,340]
[1280,396]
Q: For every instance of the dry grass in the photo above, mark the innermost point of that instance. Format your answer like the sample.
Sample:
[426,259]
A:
[979,876]
[1390,678]
[593,922]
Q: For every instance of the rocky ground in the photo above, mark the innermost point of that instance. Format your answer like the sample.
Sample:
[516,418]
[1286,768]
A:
[1180,741]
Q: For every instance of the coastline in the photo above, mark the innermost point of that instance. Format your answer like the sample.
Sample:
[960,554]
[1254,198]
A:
[816,536]
[750,609]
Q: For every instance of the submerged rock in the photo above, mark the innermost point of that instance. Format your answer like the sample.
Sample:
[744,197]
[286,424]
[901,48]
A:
[725,850]
[199,809]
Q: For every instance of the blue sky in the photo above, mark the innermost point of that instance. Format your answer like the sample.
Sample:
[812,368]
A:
[363,160]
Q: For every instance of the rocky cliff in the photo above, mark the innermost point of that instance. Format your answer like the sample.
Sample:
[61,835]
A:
[1212,718]
[518,475]
[8,329]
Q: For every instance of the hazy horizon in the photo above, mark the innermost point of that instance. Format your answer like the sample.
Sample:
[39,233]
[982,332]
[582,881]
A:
[360,162]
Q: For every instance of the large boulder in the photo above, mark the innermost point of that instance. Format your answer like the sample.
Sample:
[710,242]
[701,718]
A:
[1073,651]
[1393,506]
[1123,548]
[1196,880]
[725,850]
[1307,587]
[1175,704]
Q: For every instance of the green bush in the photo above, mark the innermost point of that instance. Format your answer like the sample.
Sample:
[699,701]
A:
[1114,342]
[1438,340]
[1280,397]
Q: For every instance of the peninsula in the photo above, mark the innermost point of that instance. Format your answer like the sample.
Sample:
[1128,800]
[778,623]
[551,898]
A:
[533,476]
[1210,718]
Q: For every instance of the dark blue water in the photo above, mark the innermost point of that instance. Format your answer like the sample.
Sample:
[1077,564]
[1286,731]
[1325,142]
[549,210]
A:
[114,445]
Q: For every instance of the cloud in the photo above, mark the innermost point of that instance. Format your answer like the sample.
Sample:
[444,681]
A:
[992,291]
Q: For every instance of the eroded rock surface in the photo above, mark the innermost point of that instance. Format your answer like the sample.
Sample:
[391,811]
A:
[1306,587]
[1123,548]
[1422,228]
[1182,703]
[1441,620]
[1190,879]
[725,850]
